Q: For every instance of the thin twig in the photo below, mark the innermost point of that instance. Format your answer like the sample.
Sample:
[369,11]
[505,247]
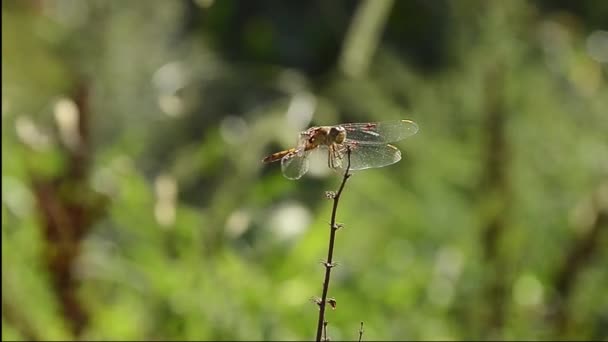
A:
[329,264]
[361,331]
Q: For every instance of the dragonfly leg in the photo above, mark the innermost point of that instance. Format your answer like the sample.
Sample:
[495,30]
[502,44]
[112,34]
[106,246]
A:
[330,156]
[340,153]
[336,154]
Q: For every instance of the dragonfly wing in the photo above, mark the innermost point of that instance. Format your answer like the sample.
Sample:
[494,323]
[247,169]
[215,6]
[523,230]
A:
[295,165]
[380,132]
[366,156]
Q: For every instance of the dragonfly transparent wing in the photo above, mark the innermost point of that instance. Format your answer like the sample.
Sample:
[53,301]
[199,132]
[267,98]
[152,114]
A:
[295,165]
[380,132]
[366,156]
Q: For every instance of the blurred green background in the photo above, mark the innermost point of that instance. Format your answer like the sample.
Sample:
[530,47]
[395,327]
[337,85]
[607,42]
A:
[135,205]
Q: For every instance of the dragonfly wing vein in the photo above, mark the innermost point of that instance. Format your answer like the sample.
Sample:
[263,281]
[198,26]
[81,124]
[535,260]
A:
[380,132]
[365,156]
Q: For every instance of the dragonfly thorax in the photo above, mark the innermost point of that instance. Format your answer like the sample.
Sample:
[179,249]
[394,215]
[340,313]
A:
[325,135]
[337,135]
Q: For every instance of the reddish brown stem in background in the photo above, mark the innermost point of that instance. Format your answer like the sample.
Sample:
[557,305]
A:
[68,208]
[330,252]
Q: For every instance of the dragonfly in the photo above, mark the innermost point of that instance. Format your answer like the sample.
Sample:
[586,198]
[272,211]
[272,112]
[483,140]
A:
[369,145]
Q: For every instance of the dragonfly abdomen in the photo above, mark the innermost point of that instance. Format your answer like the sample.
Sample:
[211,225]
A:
[278,155]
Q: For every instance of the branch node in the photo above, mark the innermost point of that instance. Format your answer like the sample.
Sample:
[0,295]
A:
[338,226]
[331,264]
[361,331]
[316,300]
[330,194]
[325,338]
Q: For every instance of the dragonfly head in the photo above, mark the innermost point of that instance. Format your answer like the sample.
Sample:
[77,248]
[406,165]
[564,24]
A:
[337,134]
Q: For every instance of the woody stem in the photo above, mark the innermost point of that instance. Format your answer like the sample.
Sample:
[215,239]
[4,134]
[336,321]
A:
[330,252]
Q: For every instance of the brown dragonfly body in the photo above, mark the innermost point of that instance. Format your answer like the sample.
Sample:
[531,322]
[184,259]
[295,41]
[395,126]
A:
[312,138]
[368,143]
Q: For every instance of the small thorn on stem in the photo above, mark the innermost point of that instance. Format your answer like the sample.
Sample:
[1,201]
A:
[332,302]
[338,226]
[329,264]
